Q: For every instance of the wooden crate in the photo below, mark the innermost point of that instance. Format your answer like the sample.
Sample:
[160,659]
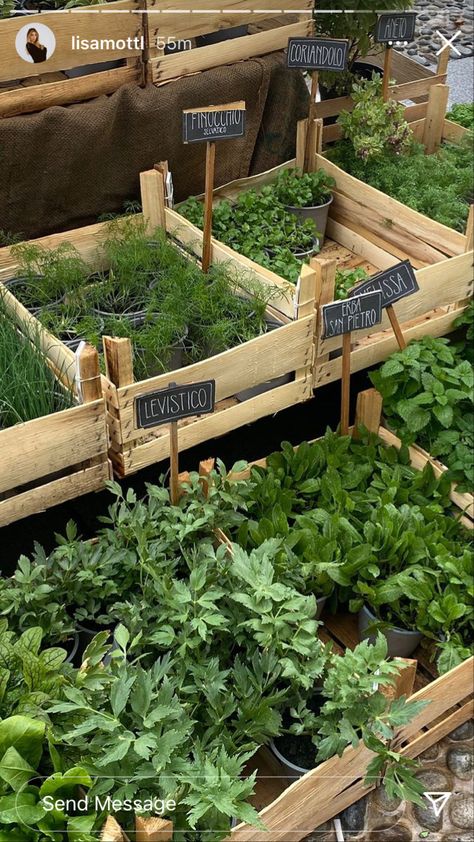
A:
[287,350]
[292,813]
[412,86]
[163,22]
[49,460]
[28,87]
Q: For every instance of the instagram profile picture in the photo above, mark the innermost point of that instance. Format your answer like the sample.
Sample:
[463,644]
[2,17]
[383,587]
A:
[35,44]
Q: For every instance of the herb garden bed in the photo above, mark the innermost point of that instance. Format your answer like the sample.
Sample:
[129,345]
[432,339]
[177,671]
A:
[51,459]
[293,812]
[257,378]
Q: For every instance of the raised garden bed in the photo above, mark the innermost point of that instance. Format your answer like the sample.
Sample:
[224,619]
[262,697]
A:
[278,362]
[51,459]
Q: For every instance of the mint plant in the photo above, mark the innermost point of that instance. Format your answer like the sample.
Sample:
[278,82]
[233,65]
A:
[374,127]
[300,190]
[428,397]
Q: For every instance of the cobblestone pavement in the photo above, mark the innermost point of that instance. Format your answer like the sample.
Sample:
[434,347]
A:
[447,16]
[445,767]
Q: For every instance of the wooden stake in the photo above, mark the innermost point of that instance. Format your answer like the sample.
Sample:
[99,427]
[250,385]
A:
[174,459]
[396,327]
[301,135]
[111,831]
[118,360]
[443,60]
[209,189]
[345,383]
[387,69]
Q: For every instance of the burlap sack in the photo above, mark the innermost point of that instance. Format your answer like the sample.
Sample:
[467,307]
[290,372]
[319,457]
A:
[63,167]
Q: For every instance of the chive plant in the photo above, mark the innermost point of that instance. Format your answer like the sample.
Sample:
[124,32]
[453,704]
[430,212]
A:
[28,388]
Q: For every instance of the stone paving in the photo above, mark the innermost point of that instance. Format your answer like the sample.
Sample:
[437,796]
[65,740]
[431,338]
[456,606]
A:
[445,767]
[447,16]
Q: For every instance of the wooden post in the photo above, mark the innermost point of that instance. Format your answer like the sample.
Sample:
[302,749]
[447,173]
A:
[368,411]
[118,360]
[174,459]
[345,383]
[311,128]
[162,167]
[111,831]
[325,290]
[305,306]
[301,133]
[435,116]
[396,327]
[443,60]
[153,830]
[89,374]
[208,197]
[152,189]
[387,69]
[470,230]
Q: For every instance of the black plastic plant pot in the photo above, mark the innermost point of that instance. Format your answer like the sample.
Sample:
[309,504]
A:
[135,318]
[320,603]
[176,359]
[364,69]
[300,252]
[318,213]
[16,285]
[71,646]
[401,643]
[296,753]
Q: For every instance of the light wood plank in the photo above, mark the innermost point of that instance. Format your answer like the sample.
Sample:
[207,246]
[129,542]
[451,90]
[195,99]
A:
[228,52]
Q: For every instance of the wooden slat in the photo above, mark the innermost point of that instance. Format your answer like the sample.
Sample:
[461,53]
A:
[208,16]
[211,426]
[380,258]
[367,355]
[417,88]
[403,220]
[276,353]
[52,493]
[85,24]
[21,100]
[40,447]
[439,285]
[454,132]
[228,52]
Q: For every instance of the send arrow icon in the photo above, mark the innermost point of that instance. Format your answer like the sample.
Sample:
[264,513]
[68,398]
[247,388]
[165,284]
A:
[438,801]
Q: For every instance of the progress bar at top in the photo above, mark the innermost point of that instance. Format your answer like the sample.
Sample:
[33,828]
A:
[91,11]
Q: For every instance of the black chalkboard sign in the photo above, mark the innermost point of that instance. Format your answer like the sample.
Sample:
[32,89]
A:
[216,122]
[359,313]
[395,26]
[394,283]
[317,54]
[174,403]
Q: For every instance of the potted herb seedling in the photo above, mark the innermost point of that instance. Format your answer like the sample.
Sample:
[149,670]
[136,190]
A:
[306,196]
[46,275]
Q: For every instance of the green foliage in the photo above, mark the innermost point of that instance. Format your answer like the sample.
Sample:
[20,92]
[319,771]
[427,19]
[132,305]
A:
[151,293]
[348,278]
[357,25]
[465,322]
[462,113]
[258,226]
[7,238]
[428,396]
[439,185]
[28,388]
[375,128]
[301,190]
[6,7]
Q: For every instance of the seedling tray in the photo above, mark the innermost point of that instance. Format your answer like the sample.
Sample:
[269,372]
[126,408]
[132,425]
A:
[56,458]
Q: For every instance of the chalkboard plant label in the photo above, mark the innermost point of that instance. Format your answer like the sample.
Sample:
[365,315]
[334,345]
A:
[395,26]
[359,313]
[174,403]
[215,122]
[395,283]
[317,54]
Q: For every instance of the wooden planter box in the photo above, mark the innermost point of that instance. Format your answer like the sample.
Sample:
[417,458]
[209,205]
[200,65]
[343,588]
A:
[291,812]
[49,460]
[286,350]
